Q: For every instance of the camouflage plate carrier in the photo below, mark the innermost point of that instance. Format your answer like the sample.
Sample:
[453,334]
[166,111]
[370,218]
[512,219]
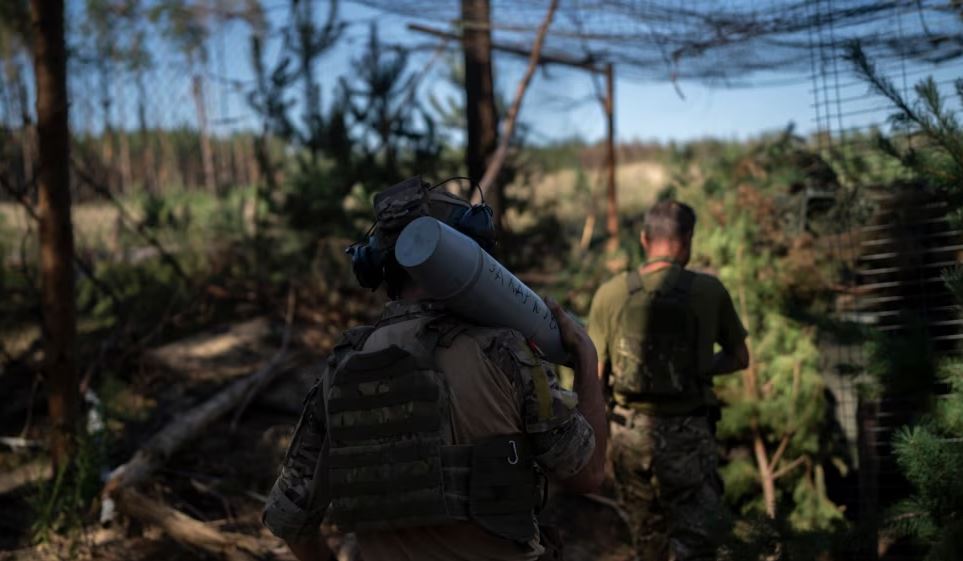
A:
[392,463]
[656,350]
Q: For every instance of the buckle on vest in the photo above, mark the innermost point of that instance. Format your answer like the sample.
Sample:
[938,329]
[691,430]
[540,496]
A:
[513,459]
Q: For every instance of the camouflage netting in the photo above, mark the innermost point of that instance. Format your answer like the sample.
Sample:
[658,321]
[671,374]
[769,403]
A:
[719,43]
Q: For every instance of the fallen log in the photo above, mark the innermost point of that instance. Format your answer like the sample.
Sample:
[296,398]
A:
[162,445]
[37,470]
[120,490]
[189,531]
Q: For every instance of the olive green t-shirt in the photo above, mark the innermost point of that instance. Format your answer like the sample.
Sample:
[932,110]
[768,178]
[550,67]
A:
[718,322]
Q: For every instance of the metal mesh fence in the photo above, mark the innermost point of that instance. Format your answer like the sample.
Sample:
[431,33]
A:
[896,239]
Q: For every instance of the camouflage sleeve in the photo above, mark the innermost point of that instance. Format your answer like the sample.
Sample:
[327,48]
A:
[598,322]
[562,440]
[300,496]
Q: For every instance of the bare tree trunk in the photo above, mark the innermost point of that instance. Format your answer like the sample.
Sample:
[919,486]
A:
[238,169]
[20,103]
[498,159]
[765,474]
[207,156]
[612,207]
[108,137]
[169,167]
[253,173]
[56,233]
[480,95]
[123,145]
[148,145]
[750,382]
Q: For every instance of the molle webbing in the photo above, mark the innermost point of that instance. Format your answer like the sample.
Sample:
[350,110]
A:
[388,464]
[392,463]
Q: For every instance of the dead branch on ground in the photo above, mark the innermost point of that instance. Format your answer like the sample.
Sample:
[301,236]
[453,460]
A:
[189,531]
[120,488]
[271,364]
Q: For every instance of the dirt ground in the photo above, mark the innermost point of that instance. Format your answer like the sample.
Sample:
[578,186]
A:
[223,475]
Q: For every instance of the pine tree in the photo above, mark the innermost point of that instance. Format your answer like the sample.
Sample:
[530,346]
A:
[776,421]
[930,454]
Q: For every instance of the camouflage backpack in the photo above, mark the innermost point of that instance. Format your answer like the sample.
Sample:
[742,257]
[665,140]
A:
[392,463]
[656,349]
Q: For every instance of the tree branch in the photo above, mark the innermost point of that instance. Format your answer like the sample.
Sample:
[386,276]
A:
[132,223]
[789,467]
[781,449]
[189,531]
[271,365]
[84,267]
[498,159]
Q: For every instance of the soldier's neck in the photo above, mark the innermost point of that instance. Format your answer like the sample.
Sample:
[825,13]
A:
[412,293]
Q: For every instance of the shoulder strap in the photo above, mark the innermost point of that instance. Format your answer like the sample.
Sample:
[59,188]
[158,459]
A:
[634,281]
[442,331]
[351,340]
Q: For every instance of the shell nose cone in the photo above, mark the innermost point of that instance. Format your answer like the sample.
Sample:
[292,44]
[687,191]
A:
[417,241]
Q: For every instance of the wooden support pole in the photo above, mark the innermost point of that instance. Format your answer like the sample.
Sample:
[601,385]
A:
[543,58]
[612,207]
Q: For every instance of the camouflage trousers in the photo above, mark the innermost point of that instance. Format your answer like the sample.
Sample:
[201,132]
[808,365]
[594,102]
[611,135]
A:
[666,477]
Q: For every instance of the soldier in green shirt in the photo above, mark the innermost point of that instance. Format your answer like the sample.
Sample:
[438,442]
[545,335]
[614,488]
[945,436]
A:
[656,329]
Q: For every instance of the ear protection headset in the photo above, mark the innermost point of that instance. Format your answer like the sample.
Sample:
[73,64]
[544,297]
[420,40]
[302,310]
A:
[398,205]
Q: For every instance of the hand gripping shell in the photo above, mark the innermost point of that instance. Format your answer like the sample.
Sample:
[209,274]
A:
[455,270]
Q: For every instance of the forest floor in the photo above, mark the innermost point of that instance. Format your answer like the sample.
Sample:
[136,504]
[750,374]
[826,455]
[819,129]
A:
[222,476]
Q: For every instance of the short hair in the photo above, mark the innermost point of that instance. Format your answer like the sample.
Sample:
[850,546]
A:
[669,220]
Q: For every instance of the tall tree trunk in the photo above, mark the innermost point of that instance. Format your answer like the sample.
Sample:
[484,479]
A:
[148,144]
[238,169]
[304,20]
[611,207]
[766,475]
[108,140]
[169,172]
[123,144]
[207,155]
[18,91]
[56,233]
[750,382]
[480,96]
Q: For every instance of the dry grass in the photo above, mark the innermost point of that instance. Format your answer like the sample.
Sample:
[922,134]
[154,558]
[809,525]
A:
[637,183]
[95,224]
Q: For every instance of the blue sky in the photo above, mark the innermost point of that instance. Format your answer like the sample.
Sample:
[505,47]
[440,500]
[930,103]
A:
[560,103]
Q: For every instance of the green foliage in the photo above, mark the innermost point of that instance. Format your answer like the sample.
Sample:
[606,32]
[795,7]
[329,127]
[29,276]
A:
[938,160]
[183,24]
[903,363]
[930,454]
[145,291]
[953,278]
[752,235]
[61,505]
[758,537]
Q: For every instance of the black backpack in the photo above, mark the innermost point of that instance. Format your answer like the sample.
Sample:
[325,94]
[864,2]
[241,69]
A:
[656,353]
